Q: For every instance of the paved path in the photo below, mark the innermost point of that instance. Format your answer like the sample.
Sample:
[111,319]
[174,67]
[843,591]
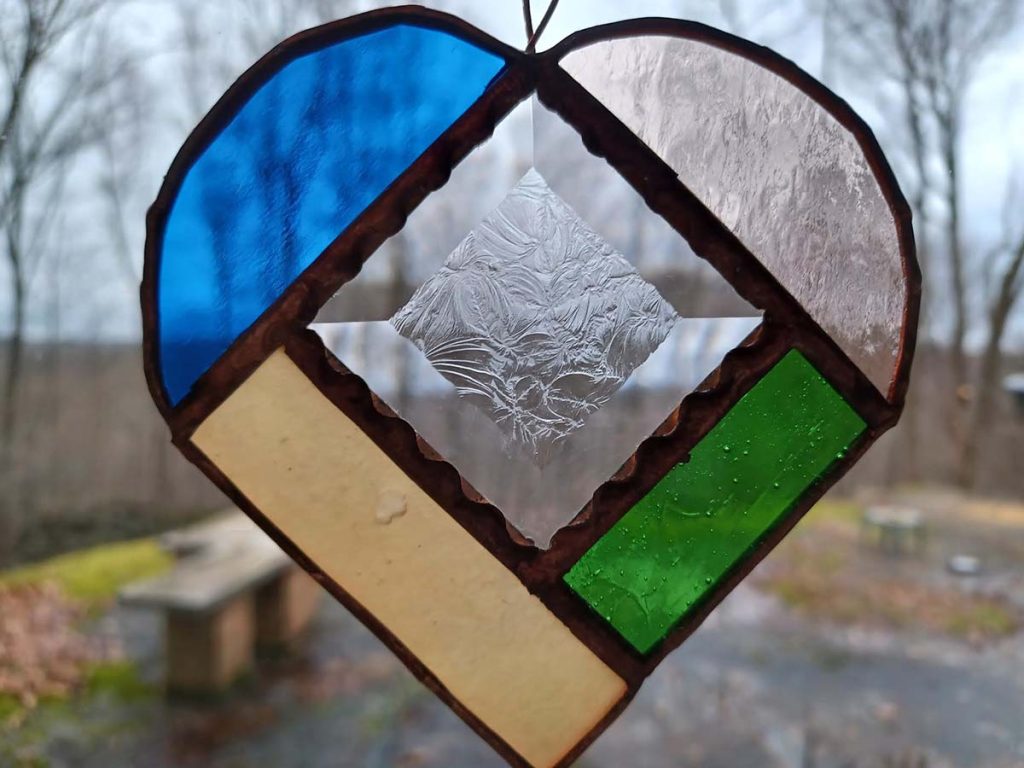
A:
[754,687]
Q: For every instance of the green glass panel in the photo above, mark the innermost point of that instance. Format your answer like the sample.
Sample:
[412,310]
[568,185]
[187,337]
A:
[705,515]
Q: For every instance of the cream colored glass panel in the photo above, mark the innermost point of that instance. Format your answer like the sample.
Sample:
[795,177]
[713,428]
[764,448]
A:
[330,489]
[777,169]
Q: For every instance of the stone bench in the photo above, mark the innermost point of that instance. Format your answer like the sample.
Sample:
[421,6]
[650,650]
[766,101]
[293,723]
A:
[232,591]
[897,529]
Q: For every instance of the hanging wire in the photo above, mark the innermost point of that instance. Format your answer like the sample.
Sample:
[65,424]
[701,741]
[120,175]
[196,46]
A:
[533,35]
[528,18]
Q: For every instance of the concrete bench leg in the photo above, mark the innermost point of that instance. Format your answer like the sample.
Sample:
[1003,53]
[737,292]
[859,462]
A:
[207,652]
[284,608]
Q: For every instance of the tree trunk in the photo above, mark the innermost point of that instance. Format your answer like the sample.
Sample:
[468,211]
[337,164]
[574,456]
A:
[12,376]
[988,375]
[962,391]
[10,496]
[398,289]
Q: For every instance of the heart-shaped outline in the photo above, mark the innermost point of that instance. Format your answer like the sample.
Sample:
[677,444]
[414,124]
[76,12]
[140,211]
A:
[786,326]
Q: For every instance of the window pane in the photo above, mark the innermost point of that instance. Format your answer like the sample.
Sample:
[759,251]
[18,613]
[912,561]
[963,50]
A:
[545,349]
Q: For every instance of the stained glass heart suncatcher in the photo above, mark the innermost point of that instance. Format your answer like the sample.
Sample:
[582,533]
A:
[629,307]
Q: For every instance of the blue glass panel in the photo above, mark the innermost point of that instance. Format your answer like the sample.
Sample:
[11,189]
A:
[300,161]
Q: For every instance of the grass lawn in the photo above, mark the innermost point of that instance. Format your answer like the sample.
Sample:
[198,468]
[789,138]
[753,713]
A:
[93,576]
[826,572]
[56,598]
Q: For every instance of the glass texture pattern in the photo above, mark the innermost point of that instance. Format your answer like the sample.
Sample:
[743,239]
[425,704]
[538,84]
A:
[537,500]
[302,158]
[704,516]
[536,319]
[777,169]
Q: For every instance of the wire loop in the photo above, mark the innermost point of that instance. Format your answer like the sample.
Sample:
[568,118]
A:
[533,35]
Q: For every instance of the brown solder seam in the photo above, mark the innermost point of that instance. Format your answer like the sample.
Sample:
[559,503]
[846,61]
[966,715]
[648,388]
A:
[786,326]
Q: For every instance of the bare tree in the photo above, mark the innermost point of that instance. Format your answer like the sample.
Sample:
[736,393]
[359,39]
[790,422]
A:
[46,120]
[1004,270]
[51,74]
[931,51]
[127,105]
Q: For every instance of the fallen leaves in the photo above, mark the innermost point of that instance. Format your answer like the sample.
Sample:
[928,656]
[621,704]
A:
[43,653]
[838,586]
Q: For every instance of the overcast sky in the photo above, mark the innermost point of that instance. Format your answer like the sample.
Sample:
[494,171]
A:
[994,131]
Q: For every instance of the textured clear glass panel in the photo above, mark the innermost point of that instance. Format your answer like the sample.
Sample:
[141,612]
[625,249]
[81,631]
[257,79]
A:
[539,486]
[434,229]
[704,516]
[534,137]
[538,501]
[776,168]
[299,162]
[536,319]
[606,201]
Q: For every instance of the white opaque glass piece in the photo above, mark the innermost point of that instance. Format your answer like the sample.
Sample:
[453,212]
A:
[777,169]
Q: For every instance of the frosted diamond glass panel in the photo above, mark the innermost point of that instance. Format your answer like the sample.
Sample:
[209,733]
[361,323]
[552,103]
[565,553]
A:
[776,168]
[535,319]
[537,494]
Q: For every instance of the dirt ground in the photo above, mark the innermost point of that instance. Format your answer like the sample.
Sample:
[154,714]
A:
[834,654]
